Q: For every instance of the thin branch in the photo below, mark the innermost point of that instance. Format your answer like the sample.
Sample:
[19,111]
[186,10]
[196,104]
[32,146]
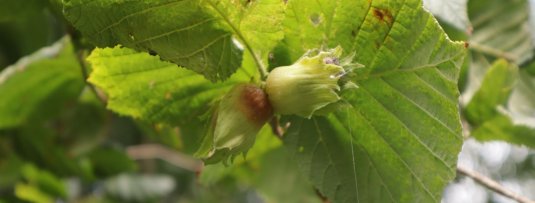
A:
[493,185]
[80,58]
[491,51]
[155,151]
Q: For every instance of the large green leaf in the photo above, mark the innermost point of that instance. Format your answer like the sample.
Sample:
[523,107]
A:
[178,31]
[144,87]
[268,169]
[495,89]
[398,138]
[195,34]
[501,28]
[39,85]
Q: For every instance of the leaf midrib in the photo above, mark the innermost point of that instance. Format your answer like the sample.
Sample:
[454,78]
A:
[248,47]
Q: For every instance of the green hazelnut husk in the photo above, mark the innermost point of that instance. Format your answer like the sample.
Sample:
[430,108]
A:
[239,116]
[307,86]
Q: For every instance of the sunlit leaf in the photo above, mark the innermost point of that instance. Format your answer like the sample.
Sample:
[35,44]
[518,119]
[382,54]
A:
[144,87]
[197,35]
[398,137]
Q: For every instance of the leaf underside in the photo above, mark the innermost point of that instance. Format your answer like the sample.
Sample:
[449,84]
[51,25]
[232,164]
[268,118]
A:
[398,137]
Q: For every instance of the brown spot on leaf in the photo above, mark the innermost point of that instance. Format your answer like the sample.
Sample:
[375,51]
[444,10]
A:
[466,44]
[383,15]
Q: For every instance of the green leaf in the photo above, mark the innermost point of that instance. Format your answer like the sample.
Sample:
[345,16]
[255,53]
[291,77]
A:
[41,186]
[502,128]
[398,138]
[45,181]
[266,141]
[278,179]
[178,31]
[501,29]
[144,87]
[257,23]
[32,193]
[196,34]
[495,89]
[268,169]
[39,85]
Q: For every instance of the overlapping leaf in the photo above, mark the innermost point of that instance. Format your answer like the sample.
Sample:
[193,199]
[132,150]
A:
[178,31]
[398,138]
[144,87]
[195,34]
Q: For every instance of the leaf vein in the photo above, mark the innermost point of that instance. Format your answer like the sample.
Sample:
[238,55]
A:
[396,153]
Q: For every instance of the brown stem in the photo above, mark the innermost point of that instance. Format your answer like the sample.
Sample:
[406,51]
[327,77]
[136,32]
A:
[81,61]
[492,51]
[155,151]
[493,185]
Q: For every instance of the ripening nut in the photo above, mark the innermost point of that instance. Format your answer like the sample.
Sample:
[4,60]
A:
[306,87]
[240,115]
